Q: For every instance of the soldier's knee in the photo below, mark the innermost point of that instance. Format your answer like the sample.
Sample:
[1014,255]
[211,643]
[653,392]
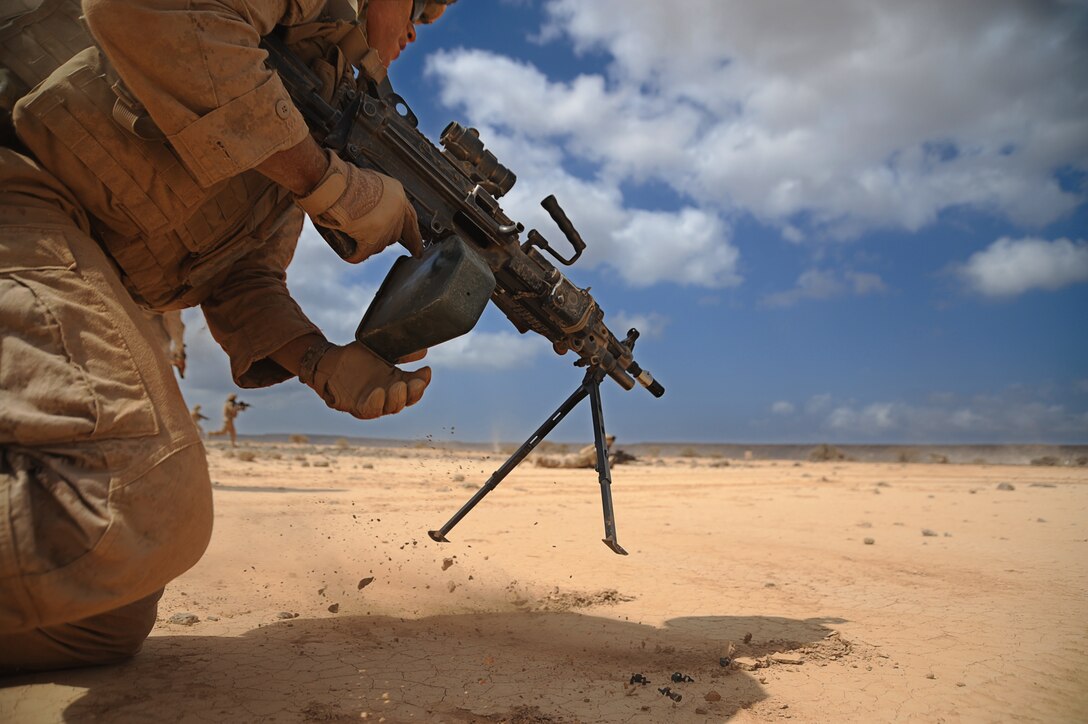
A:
[106,638]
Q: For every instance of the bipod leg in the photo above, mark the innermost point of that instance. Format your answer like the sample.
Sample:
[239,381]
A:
[604,472]
[514,460]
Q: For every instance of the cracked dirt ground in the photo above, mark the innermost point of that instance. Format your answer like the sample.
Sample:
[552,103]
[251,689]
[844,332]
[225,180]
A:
[526,617]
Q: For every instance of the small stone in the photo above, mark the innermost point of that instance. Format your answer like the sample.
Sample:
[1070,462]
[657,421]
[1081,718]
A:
[747,663]
[869,541]
[451,586]
[365,582]
[700,711]
[931,675]
[284,615]
[712,695]
[960,683]
[780,658]
[1006,486]
[446,563]
[185,619]
[747,638]
[213,618]
[929,533]
[334,608]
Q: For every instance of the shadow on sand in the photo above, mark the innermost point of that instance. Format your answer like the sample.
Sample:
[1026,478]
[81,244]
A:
[479,667]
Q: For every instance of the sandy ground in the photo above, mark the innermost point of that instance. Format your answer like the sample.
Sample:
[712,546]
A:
[843,591]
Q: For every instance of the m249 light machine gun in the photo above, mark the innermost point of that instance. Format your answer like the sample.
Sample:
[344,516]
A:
[472,252]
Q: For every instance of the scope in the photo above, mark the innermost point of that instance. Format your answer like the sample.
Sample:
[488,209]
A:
[479,164]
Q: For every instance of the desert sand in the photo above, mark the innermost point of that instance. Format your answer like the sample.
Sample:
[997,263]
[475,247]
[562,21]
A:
[812,591]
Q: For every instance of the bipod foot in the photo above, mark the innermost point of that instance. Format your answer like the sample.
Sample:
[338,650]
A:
[437,536]
[616,547]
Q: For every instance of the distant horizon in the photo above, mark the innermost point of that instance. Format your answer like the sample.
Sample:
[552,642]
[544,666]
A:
[671,443]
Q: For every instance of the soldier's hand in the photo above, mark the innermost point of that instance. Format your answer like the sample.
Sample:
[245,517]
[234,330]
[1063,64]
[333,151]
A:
[368,206]
[353,379]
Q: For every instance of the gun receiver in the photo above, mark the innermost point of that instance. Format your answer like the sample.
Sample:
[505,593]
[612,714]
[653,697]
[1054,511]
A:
[455,193]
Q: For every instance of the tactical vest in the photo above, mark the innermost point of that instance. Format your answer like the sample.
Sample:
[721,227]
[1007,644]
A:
[170,238]
[36,37]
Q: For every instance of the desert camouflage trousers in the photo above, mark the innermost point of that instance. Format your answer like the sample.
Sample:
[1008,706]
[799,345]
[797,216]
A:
[104,488]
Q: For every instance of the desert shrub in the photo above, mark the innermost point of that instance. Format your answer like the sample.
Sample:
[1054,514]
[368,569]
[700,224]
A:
[1082,460]
[342,443]
[825,453]
[938,458]
[689,452]
[247,456]
[1046,460]
[907,456]
[300,439]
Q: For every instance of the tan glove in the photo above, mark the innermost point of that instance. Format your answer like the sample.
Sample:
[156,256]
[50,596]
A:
[353,379]
[368,206]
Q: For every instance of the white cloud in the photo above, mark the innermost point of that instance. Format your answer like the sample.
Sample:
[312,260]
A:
[650,325]
[819,284]
[783,408]
[686,246]
[1017,414]
[487,351]
[836,117]
[1013,266]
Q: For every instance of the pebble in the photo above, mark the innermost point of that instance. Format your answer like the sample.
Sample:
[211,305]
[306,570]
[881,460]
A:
[184,619]
[747,663]
[451,586]
[365,582]
[446,563]
[712,696]
[869,541]
[213,618]
[283,615]
[334,608]
[929,533]
[1006,486]
[787,659]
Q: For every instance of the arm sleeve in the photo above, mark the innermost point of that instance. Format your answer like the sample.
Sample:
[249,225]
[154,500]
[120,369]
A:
[251,314]
[196,67]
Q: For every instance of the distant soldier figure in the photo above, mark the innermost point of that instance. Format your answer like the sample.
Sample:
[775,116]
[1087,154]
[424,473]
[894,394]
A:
[584,458]
[231,408]
[197,416]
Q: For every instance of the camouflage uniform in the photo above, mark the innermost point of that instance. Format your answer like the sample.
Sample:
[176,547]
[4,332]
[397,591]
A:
[131,188]
[231,409]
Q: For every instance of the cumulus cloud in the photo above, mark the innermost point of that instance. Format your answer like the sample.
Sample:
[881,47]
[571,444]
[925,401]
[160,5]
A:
[487,351]
[828,117]
[783,408]
[650,325]
[1014,415]
[818,284]
[1009,267]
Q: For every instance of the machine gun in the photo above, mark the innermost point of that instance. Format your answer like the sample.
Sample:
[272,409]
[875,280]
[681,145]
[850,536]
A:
[473,251]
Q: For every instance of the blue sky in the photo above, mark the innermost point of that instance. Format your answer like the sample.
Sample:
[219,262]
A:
[840,221]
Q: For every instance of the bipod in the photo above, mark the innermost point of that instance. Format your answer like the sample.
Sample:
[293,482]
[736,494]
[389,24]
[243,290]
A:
[591,388]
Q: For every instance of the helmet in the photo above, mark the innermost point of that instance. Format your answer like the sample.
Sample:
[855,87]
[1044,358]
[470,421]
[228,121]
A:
[232,396]
[425,12]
